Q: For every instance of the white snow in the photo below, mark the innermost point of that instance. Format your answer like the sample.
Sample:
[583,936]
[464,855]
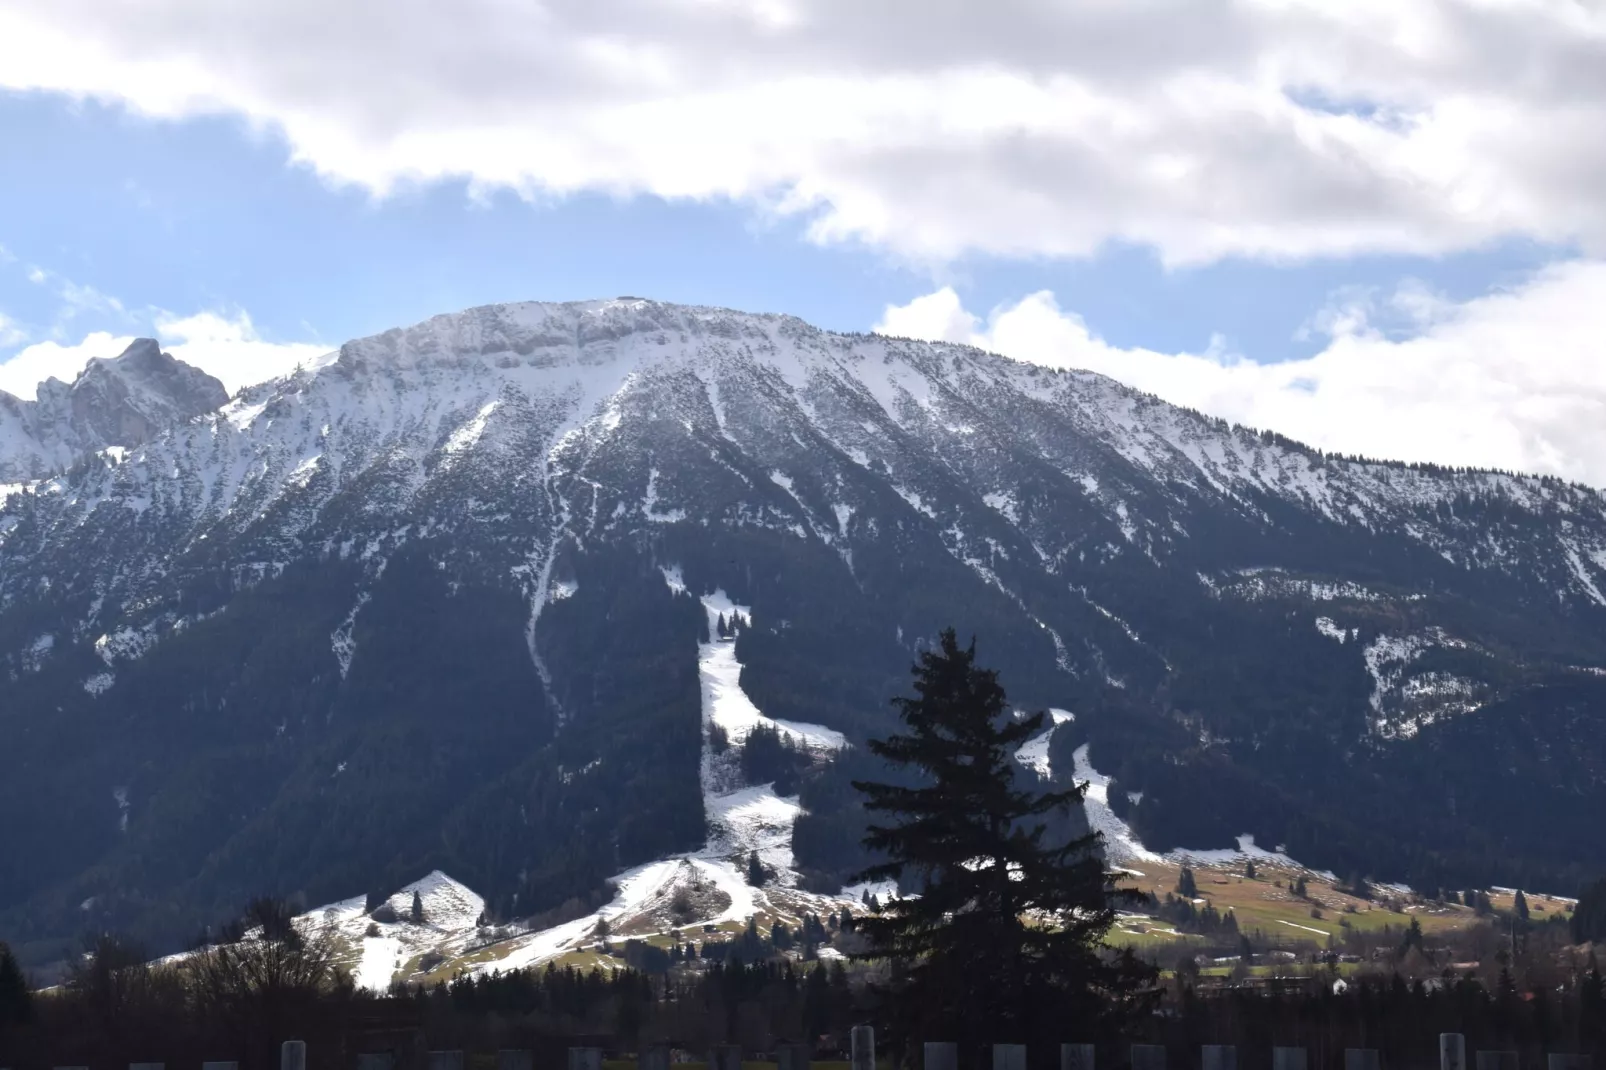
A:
[916,503]
[242,415]
[724,701]
[125,644]
[381,957]
[1003,503]
[1034,753]
[33,658]
[473,430]
[341,641]
[673,578]
[99,683]
[649,504]
[1120,844]
[1246,849]
[120,796]
[1329,627]
[1580,573]
[1403,702]
[1307,928]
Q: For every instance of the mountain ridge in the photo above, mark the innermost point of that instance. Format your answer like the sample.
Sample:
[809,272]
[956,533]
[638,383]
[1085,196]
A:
[422,581]
[120,401]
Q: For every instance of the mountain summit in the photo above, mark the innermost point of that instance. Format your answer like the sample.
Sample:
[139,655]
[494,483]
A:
[121,401]
[437,601]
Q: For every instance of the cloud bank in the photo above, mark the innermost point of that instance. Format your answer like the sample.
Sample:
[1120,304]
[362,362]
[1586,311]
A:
[1203,128]
[1515,379]
[226,345]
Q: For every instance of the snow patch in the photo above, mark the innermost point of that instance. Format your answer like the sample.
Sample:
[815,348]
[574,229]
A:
[381,958]
[120,796]
[1003,503]
[1329,627]
[649,504]
[725,703]
[471,431]
[1245,850]
[1580,573]
[1034,753]
[915,501]
[125,644]
[673,579]
[100,683]
[341,641]
[1120,843]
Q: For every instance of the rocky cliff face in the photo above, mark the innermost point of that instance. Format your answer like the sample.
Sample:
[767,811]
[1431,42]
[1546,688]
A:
[120,401]
[434,602]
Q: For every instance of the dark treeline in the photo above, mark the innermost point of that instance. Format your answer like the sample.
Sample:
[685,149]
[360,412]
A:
[114,1014]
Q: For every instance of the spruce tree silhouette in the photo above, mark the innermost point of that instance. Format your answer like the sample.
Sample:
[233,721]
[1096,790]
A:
[1002,943]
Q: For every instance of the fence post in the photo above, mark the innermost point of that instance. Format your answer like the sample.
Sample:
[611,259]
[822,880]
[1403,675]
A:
[1289,1059]
[1452,1051]
[722,1057]
[1076,1057]
[790,1057]
[293,1055]
[1563,1061]
[863,1047]
[1009,1057]
[1218,1057]
[1148,1057]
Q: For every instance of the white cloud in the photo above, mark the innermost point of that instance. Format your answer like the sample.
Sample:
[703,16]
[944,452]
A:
[22,372]
[1515,379]
[1208,128]
[225,344]
[229,347]
[11,333]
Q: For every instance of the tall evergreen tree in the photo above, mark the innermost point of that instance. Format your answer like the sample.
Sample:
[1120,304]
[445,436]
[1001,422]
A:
[1589,916]
[418,907]
[1187,886]
[16,1002]
[1519,906]
[1002,943]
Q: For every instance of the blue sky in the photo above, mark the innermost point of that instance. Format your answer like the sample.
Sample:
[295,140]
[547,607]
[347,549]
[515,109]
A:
[1353,254]
[209,214]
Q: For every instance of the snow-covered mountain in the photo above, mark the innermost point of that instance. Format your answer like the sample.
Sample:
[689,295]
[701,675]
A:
[408,608]
[119,401]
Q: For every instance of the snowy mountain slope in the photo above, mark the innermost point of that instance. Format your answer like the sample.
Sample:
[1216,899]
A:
[114,402]
[462,540]
[711,888]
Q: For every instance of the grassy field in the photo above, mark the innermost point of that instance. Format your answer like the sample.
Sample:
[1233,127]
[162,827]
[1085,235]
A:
[1264,906]
[1267,905]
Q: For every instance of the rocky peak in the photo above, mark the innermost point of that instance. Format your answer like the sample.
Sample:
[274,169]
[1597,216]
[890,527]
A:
[117,401]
